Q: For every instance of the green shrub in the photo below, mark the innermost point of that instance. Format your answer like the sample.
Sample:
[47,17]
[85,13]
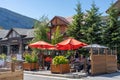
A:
[27,57]
[34,58]
[3,56]
[31,58]
[59,60]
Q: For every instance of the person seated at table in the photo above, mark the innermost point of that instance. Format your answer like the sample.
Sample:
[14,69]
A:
[72,59]
[78,66]
[82,61]
[77,57]
[88,66]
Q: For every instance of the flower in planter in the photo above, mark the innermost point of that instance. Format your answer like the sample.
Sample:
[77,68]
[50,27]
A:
[59,60]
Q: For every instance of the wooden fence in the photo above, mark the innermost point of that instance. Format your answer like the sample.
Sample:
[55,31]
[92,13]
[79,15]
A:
[11,74]
[103,63]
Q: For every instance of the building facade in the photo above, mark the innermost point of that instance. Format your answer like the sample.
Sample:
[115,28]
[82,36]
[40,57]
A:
[14,41]
[60,21]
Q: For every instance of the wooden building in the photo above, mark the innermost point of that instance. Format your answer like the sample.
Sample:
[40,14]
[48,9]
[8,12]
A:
[15,40]
[62,22]
[116,5]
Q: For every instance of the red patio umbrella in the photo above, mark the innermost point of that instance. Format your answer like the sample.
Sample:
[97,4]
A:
[41,45]
[70,44]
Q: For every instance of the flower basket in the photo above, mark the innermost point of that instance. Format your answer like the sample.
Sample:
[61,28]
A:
[60,65]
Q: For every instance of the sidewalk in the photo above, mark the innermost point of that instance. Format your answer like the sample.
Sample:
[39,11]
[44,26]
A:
[110,76]
[48,73]
[73,76]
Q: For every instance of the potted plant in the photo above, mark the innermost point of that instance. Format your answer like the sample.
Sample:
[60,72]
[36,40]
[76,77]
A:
[31,61]
[3,56]
[60,65]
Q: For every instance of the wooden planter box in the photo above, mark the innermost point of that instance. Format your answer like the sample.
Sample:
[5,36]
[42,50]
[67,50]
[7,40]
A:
[60,69]
[30,66]
[9,75]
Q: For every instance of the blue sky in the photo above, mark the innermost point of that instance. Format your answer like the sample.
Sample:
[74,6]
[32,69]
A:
[51,8]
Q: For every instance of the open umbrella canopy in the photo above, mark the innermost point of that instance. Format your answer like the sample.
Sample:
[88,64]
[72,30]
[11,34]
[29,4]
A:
[41,45]
[70,44]
[94,46]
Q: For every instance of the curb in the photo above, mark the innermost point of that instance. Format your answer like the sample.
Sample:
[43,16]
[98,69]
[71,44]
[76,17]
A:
[58,75]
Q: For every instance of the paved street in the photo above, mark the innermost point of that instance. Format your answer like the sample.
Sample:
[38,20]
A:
[113,76]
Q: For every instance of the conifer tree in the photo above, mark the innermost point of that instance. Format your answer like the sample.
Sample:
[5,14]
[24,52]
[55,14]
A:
[92,27]
[112,32]
[74,28]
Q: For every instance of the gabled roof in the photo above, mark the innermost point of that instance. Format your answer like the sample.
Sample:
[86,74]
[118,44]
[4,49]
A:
[67,20]
[116,5]
[21,31]
[3,33]
[63,19]
[30,33]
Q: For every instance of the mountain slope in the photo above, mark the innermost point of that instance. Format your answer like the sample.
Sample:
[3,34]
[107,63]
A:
[9,19]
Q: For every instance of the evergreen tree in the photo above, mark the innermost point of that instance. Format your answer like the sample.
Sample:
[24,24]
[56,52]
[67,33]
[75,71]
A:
[57,36]
[41,29]
[112,32]
[92,27]
[74,28]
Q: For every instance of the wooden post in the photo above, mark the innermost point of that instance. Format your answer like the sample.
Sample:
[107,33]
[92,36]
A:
[8,49]
[106,52]
[13,66]
[98,51]
[91,54]
[111,52]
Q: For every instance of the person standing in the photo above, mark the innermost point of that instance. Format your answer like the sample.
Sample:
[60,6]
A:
[48,61]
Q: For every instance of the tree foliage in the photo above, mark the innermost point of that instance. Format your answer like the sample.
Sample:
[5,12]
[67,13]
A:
[75,27]
[41,29]
[57,36]
[92,27]
[112,32]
